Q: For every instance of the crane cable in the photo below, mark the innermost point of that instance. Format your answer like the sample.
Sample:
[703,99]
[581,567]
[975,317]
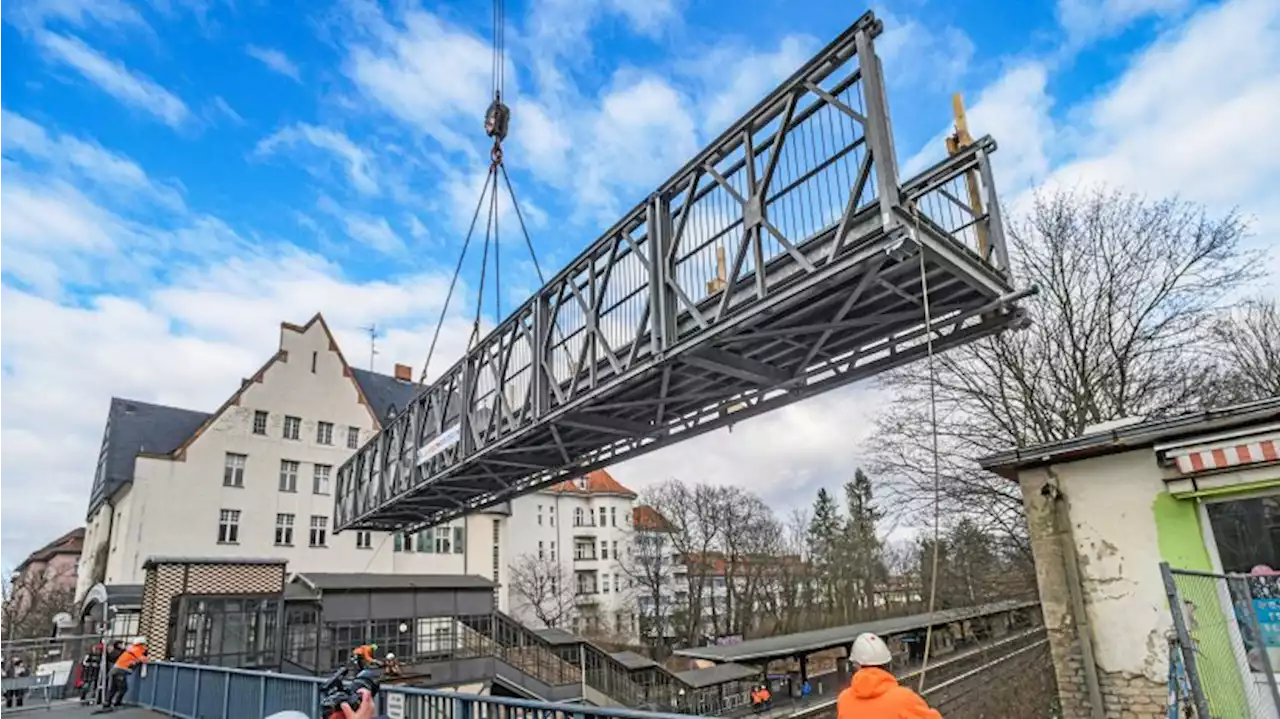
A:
[496,124]
[937,462]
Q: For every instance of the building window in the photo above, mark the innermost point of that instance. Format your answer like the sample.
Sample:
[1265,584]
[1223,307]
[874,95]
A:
[425,539]
[364,539]
[613,516]
[579,519]
[604,550]
[353,437]
[444,536]
[229,526]
[1246,532]
[402,543]
[324,432]
[553,551]
[551,511]
[319,531]
[233,473]
[284,529]
[604,586]
[459,540]
[539,515]
[320,479]
[584,549]
[542,551]
[259,422]
[288,475]
[292,427]
[616,556]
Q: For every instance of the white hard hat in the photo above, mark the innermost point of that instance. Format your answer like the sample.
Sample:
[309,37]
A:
[870,650]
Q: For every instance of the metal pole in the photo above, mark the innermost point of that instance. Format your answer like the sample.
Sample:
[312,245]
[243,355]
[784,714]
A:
[878,133]
[1262,645]
[1184,640]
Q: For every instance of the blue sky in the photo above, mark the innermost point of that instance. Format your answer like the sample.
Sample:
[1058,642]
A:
[179,176]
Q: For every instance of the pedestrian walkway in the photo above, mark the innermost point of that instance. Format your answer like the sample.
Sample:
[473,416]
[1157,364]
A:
[71,709]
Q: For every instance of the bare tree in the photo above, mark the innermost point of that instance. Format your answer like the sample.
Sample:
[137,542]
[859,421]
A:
[544,588]
[650,565]
[1247,344]
[1129,290]
[31,600]
[694,514]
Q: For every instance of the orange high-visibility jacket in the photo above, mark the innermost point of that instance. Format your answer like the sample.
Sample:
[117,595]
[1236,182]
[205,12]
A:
[875,694]
[131,656]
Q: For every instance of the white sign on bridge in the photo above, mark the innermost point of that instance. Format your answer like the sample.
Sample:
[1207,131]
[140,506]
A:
[439,443]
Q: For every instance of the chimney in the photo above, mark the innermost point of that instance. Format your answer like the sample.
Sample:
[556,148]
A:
[404,372]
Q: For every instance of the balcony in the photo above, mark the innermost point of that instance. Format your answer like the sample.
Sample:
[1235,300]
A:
[586,596]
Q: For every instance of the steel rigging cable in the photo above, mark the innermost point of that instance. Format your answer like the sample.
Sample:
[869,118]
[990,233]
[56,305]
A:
[497,120]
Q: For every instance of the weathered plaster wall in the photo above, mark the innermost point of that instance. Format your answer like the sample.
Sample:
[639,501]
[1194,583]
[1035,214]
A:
[1118,547]
[1117,551]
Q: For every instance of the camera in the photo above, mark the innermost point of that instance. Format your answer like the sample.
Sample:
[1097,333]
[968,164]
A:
[340,689]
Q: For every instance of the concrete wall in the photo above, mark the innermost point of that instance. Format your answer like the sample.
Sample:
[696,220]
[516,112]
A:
[172,507]
[1113,532]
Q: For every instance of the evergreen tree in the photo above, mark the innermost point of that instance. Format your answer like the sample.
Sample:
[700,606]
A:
[825,530]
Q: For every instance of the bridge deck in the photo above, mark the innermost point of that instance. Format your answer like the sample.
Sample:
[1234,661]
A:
[783,261]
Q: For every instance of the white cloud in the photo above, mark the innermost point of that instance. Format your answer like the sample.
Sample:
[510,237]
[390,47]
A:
[917,55]
[1217,143]
[219,107]
[79,13]
[428,73]
[1015,110]
[115,79]
[375,232]
[646,17]
[186,343]
[734,77]
[276,60]
[108,171]
[1085,20]
[357,162]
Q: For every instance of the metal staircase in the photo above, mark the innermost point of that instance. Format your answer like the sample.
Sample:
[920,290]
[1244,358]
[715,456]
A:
[784,260]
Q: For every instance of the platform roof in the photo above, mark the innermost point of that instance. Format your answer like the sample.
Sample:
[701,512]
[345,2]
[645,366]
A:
[718,674]
[815,641]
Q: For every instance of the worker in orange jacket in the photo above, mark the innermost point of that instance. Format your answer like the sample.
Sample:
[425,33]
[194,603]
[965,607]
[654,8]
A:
[120,671]
[874,693]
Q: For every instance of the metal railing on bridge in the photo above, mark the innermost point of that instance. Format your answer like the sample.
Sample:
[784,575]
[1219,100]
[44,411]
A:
[784,260]
[191,691]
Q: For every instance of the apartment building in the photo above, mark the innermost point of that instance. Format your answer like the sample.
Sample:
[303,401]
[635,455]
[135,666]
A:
[254,478]
[584,527]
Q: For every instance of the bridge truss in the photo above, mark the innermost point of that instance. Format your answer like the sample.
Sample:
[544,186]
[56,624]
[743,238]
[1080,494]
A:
[784,260]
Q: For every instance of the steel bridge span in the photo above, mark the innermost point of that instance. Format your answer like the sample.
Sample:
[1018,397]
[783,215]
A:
[786,259]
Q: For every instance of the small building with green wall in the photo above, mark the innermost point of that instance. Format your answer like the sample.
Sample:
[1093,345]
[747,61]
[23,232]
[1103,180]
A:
[1200,492]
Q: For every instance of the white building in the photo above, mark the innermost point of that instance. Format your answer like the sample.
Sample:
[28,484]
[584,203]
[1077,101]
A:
[254,478]
[584,526]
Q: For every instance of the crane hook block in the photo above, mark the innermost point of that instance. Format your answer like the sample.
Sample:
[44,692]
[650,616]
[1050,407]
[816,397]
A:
[496,120]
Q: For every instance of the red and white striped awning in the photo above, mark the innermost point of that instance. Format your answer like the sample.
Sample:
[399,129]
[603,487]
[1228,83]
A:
[1237,452]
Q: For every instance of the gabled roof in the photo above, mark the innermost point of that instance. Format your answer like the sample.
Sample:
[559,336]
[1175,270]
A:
[135,428]
[70,543]
[385,395]
[647,518]
[596,482]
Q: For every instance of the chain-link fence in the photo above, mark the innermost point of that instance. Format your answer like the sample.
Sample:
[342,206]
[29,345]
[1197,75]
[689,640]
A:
[1227,633]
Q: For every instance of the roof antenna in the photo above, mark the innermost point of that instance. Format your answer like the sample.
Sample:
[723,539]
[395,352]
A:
[372,331]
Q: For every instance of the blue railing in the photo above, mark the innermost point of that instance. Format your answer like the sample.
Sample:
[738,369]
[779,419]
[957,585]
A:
[191,691]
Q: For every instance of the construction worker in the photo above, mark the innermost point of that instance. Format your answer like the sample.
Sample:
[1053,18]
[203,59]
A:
[363,654]
[874,693]
[118,678]
[90,665]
